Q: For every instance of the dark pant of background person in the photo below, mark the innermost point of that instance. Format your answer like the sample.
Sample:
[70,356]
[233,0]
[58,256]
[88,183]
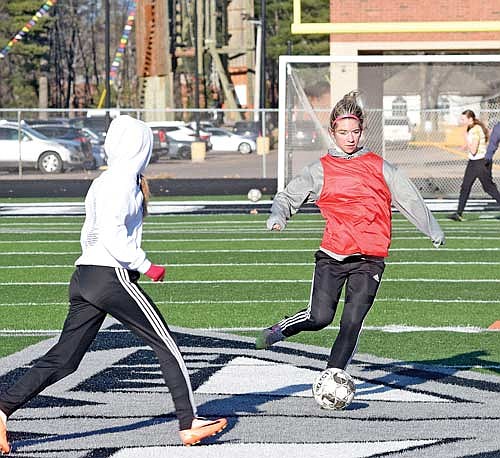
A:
[361,278]
[95,291]
[477,169]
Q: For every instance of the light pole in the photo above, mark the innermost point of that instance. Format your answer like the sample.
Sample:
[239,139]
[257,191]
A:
[263,60]
[196,72]
[107,64]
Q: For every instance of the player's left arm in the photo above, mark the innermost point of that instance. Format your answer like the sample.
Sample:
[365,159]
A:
[408,200]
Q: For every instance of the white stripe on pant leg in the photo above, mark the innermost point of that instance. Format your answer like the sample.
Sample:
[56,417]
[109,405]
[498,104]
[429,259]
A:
[300,316]
[157,326]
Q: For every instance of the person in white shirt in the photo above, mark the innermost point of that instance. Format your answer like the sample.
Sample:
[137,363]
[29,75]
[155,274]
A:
[105,281]
[476,141]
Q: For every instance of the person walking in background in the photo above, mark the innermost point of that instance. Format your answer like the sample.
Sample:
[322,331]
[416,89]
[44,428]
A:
[354,189]
[478,167]
[493,144]
[105,281]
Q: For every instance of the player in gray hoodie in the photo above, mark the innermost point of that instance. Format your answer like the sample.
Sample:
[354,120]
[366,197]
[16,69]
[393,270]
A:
[105,281]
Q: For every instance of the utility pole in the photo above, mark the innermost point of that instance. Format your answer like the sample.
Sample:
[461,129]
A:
[263,58]
[196,71]
[107,103]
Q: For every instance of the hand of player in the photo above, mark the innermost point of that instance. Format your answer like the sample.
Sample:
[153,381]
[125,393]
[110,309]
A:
[276,227]
[156,273]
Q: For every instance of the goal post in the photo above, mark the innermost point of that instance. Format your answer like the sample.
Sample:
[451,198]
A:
[412,105]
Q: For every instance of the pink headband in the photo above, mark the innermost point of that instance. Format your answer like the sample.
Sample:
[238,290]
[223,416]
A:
[346,116]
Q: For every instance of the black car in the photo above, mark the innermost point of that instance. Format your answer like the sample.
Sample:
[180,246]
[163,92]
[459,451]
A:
[65,133]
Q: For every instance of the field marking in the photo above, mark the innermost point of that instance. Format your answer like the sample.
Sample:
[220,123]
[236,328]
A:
[271,301]
[390,328]
[256,239]
[239,230]
[270,264]
[243,221]
[182,282]
[251,250]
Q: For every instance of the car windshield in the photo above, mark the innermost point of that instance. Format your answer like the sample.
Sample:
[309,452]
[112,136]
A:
[34,133]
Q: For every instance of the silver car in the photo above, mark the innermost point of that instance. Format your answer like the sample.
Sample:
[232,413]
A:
[35,150]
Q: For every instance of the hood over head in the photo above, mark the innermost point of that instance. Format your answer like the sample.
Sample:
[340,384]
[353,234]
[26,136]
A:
[128,144]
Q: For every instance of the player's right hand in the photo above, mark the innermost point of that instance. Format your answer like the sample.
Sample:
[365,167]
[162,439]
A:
[156,273]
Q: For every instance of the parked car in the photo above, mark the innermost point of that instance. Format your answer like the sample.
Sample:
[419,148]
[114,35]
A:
[305,135]
[397,130]
[36,150]
[96,123]
[179,149]
[177,130]
[64,133]
[248,129]
[224,140]
[160,143]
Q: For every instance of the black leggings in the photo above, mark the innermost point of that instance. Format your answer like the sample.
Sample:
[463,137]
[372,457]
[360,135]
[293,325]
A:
[477,169]
[362,279]
[95,291]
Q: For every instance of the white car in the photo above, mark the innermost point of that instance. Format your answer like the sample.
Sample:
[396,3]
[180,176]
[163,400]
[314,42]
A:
[35,150]
[397,130]
[225,140]
[180,131]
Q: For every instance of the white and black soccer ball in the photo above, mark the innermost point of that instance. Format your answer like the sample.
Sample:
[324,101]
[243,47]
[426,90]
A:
[254,195]
[333,389]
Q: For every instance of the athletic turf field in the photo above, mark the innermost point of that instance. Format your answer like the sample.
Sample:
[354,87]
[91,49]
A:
[427,367]
[229,272]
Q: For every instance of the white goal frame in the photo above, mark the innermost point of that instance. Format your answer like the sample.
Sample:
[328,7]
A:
[284,68]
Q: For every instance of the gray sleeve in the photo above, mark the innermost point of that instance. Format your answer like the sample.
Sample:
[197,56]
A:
[408,200]
[305,187]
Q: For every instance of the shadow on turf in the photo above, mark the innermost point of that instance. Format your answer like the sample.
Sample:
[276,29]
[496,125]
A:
[403,375]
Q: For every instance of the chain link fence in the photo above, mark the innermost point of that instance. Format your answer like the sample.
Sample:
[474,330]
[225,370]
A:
[426,143]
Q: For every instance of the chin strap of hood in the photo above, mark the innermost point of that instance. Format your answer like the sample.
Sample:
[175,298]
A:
[128,144]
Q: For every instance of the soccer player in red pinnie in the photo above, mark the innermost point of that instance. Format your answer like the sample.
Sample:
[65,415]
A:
[354,189]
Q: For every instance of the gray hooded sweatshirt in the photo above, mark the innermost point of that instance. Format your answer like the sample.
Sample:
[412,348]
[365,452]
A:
[112,232]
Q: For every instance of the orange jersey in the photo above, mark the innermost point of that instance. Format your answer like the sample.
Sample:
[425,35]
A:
[356,204]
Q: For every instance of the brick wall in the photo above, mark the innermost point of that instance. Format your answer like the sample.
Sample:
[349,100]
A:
[415,11]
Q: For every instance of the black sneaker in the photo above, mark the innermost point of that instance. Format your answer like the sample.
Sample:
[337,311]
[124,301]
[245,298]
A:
[269,336]
[456,217]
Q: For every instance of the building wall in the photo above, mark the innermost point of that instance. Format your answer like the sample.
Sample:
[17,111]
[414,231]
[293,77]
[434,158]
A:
[414,11]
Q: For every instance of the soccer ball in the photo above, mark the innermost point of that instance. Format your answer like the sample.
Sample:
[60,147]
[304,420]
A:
[254,195]
[333,389]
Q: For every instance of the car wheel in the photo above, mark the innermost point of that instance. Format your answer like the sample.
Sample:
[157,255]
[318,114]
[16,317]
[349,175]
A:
[244,148]
[154,158]
[185,152]
[50,162]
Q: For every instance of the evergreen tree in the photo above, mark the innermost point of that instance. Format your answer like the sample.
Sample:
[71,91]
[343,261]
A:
[20,68]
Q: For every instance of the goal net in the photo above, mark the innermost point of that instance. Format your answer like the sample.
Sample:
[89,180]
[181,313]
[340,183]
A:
[412,106]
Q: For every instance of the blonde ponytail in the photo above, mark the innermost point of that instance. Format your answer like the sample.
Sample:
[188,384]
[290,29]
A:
[146,195]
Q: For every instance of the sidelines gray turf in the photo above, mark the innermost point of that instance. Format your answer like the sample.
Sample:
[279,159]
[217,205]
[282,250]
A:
[116,404]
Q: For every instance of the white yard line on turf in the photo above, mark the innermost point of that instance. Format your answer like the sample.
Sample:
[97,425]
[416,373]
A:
[190,241]
[271,301]
[391,328]
[402,280]
[272,264]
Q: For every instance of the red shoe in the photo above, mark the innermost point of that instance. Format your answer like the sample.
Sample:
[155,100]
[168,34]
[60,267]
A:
[201,428]
[4,445]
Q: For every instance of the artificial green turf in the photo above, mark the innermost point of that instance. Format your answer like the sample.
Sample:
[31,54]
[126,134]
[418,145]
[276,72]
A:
[202,292]
[13,344]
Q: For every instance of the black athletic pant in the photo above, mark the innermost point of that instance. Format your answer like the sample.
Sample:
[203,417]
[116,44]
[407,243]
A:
[477,169]
[95,291]
[361,278]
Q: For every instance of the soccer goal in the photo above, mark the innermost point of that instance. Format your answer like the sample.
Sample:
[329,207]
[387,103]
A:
[412,107]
